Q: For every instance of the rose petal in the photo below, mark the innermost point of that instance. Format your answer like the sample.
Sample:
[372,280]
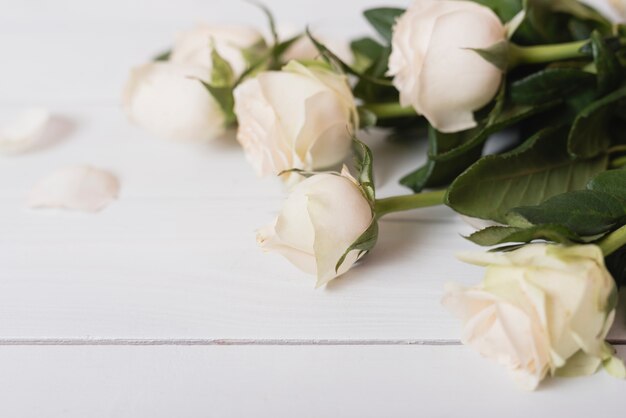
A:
[79,187]
[24,131]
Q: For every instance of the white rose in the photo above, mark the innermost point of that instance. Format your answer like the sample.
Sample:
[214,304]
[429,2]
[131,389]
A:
[304,50]
[301,117]
[167,99]
[196,45]
[541,309]
[435,71]
[322,217]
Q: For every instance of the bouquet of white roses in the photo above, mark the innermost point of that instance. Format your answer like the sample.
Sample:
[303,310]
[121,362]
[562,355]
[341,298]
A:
[549,73]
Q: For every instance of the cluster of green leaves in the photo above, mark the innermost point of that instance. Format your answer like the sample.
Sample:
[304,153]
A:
[583,215]
[549,21]
[561,181]
[371,59]
[580,93]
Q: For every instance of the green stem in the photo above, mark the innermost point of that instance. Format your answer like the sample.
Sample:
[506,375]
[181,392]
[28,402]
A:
[540,54]
[616,148]
[408,202]
[389,110]
[613,242]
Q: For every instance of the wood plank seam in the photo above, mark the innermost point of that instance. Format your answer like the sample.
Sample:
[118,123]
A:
[229,342]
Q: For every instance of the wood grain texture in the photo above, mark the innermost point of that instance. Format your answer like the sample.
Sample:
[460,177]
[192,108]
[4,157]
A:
[283,382]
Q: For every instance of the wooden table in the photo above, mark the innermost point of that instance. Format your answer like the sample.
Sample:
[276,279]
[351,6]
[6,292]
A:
[163,306]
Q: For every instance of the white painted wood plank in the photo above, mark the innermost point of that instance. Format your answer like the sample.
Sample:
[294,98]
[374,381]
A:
[276,382]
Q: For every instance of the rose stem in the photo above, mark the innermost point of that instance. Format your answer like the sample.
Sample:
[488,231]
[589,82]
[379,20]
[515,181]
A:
[613,242]
[408,202]
[545,53]
[389,110]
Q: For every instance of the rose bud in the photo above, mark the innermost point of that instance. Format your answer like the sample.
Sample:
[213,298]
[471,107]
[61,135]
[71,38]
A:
[434,67]
[541,309]
[232,43]
[301,117]
[320,221]
[167,99]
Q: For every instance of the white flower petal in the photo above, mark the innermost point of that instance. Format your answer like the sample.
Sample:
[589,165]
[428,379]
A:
[340,215]
[79,187]
[24,131]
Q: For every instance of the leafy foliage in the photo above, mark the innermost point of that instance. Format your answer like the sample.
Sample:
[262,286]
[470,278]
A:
[163,56]
[585,212]
[590,134]
[364,164]
[576,216]
[607,65]
[535,171]
[496,235]
[436,173]
[505,9]
[549,84]
[383,19]
[554,21]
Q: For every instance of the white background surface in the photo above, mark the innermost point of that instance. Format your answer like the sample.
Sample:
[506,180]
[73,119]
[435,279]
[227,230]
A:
[163,306]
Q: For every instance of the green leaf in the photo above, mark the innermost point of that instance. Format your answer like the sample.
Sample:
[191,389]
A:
[535,171]
[363,244]
[367,118]
[441,173]
[590,133]
[549,85]
[612,182]
[586,212]
[224,97]
[608,68]
[497,121]
[280,48]
[270,18]
[505,9]
[375,92]
[497,54]
[549,18]
[364,165]
[496,235]
[366,51]
[333,59]
[367,47]
[163,56]
[383,19]
[304,173]
[222,74]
